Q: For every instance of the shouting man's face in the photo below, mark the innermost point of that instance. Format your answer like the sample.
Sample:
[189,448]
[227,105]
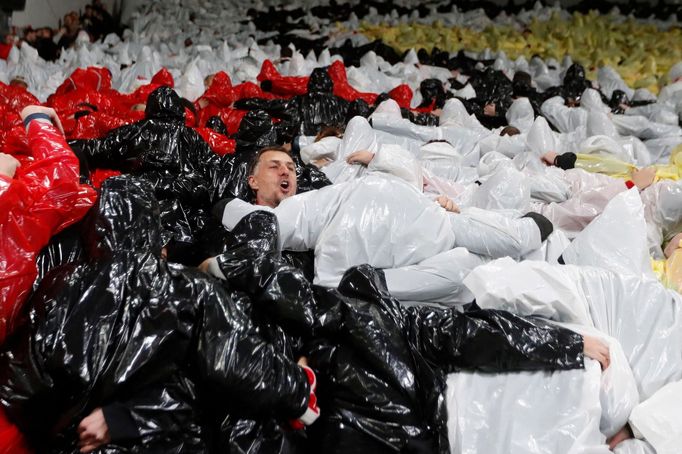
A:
[273,178]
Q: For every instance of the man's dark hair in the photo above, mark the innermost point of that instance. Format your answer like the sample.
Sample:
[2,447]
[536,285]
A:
[328,131]
[257,156]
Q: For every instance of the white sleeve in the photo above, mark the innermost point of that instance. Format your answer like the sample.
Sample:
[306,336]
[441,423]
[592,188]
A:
[302,218]
[548,187]
[566,119]
[237,209]
[326,148]
[659,419]
[399,162]
[581,181]
[405,128]
[438,279]
[530,288]
[298,217]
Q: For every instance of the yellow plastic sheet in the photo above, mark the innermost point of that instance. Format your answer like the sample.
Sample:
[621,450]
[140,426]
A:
[606,165]
[620,169]
[669,271]
[641,53]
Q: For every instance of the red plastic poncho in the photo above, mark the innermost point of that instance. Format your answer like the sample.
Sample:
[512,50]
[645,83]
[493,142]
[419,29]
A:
[12,441]
[219,95]
[402,94]
[43,198]
[344,90]
[161,79]
[220,144]
[285,86]
[15,98]
[5,49]
[250,90]
[92,78]
[232,118]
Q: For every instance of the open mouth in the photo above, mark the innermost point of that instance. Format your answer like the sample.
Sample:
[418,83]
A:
[284,185]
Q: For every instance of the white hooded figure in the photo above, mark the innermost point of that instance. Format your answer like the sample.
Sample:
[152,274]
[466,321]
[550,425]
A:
[606,283]
[521,115]
[386,221]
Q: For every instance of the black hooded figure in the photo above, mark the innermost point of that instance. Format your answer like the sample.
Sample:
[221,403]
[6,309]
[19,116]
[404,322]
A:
[174,159]
[304,114]
[575,83]
[162,349]
[320,107]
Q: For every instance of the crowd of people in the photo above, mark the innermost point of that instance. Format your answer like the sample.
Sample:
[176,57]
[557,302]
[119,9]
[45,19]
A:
[94,23]
[236,248]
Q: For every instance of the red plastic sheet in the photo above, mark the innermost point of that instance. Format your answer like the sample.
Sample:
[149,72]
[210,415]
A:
[5,49]
[43,198]
[285,86]
[220,144]
[250,90]
[232,119]
[89,79]
[342,89]
[402,94]
[15,97]
[12,441]
[98,176]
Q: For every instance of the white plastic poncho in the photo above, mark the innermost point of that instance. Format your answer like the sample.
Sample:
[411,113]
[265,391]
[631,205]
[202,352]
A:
[384,221]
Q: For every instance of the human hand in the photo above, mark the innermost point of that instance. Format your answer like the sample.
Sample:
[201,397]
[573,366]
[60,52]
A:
[93,431]
[623,434]
[29,110]
[448,204]
[363,157]
[673,245]
[319,163]
[312,411]
[596,349]
[643,178]
[203,266]
[549,158]
[8,165]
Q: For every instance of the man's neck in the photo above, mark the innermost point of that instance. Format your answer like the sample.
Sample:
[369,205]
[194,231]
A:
[266,203]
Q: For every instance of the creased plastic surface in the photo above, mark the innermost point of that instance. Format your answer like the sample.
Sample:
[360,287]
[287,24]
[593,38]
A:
[367,349]
[658,419]
[43,198]
[601,242]
[90,340]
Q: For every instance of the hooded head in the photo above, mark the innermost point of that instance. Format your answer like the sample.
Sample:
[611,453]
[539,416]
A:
[165,104]
[220,91]
[216,124]
[520,114]
[618,97]
[256,128]
[592,102]
[320,82]
[575,73]
[432,90]
[125,218]
[358,107]
[522,84]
